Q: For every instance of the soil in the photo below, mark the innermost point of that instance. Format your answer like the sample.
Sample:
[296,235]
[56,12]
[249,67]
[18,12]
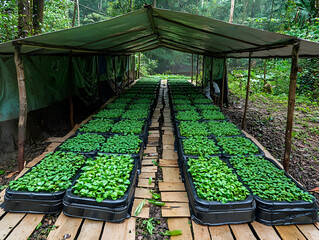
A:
[266,121]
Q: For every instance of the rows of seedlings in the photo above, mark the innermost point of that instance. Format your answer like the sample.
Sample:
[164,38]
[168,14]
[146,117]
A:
[93,174]
[227,177]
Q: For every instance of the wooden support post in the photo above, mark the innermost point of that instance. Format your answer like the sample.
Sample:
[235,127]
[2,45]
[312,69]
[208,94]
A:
[70,88]
[23,106]
[223,86]
[203,65]
[211,78]
[128,69]
[291,103]
[133,67]
[243,126]
[197,70]
[192,68]
[139,65]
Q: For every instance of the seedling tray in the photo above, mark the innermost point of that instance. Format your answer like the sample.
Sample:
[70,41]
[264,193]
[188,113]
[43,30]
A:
[214,212]
[107,210]
[33,202]
[180,136]
[270,212]
[184,156]
[259,154]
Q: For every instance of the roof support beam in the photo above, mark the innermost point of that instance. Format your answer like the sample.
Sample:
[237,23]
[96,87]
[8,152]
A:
[115,35]
[151,19]
[291,103]
[205,31]
[129,41]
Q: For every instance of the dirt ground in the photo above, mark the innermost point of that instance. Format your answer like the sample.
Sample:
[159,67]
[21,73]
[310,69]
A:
[266,121]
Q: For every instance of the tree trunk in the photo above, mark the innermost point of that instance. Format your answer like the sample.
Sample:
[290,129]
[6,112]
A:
[78,8]
[232,6]
[37,17]
[154,3]
[23,19]
[74,13]
[131,5]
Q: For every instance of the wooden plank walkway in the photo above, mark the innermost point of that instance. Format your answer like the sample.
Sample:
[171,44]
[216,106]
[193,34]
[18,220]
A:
[21,225]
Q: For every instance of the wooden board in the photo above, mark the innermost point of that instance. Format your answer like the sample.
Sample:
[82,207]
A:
[171,174]
[146,175]
[242,231]
[220,232]
[149,169]
[145,213]
[168,133]
[290,232]
[8,222]
[265,232]
[168,139]
[168,147]
[180,224]
[142,193]
[122,231]
[174,197]
[154,125]
[200,232]
[145,183]
[169,154]
[167,124]
[171,187]
[167,129]
[26,226]
[168,163]
[150,150]
[65,225]
[90,230]
[175,210]
[148,162]
[153,141]
[310,231]
[36,160]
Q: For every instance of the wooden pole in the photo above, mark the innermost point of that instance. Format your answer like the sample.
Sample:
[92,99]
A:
[196,70]
[70,86]
[291,103]
[23,106]
[133,67]
[128,69]
[192,68]
[203,65]
[211,78]
[139,65]
[223,86]
[243,126]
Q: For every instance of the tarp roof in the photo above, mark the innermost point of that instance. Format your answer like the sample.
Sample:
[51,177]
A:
[151,28]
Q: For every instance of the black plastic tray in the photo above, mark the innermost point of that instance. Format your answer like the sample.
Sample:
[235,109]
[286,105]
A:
[214,212]
[107,210]
[33,202]
[270,212]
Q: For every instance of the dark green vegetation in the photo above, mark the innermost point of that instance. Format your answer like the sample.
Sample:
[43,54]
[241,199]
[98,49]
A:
[237,145]
[139,106]
[105,177]
[116,106]
[188,115]
[97,125]
[122,144]
[181,101]
[128,127]
[215,181]
[202,100]
[86,142]
[267,181]
[136,114]
[188,129]
[207,107]
[184,107]
[223,128]
[54,173]
[200,146]
[212,115]
[113,113]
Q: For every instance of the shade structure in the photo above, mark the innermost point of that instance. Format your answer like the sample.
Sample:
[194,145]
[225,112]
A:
[151,28]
